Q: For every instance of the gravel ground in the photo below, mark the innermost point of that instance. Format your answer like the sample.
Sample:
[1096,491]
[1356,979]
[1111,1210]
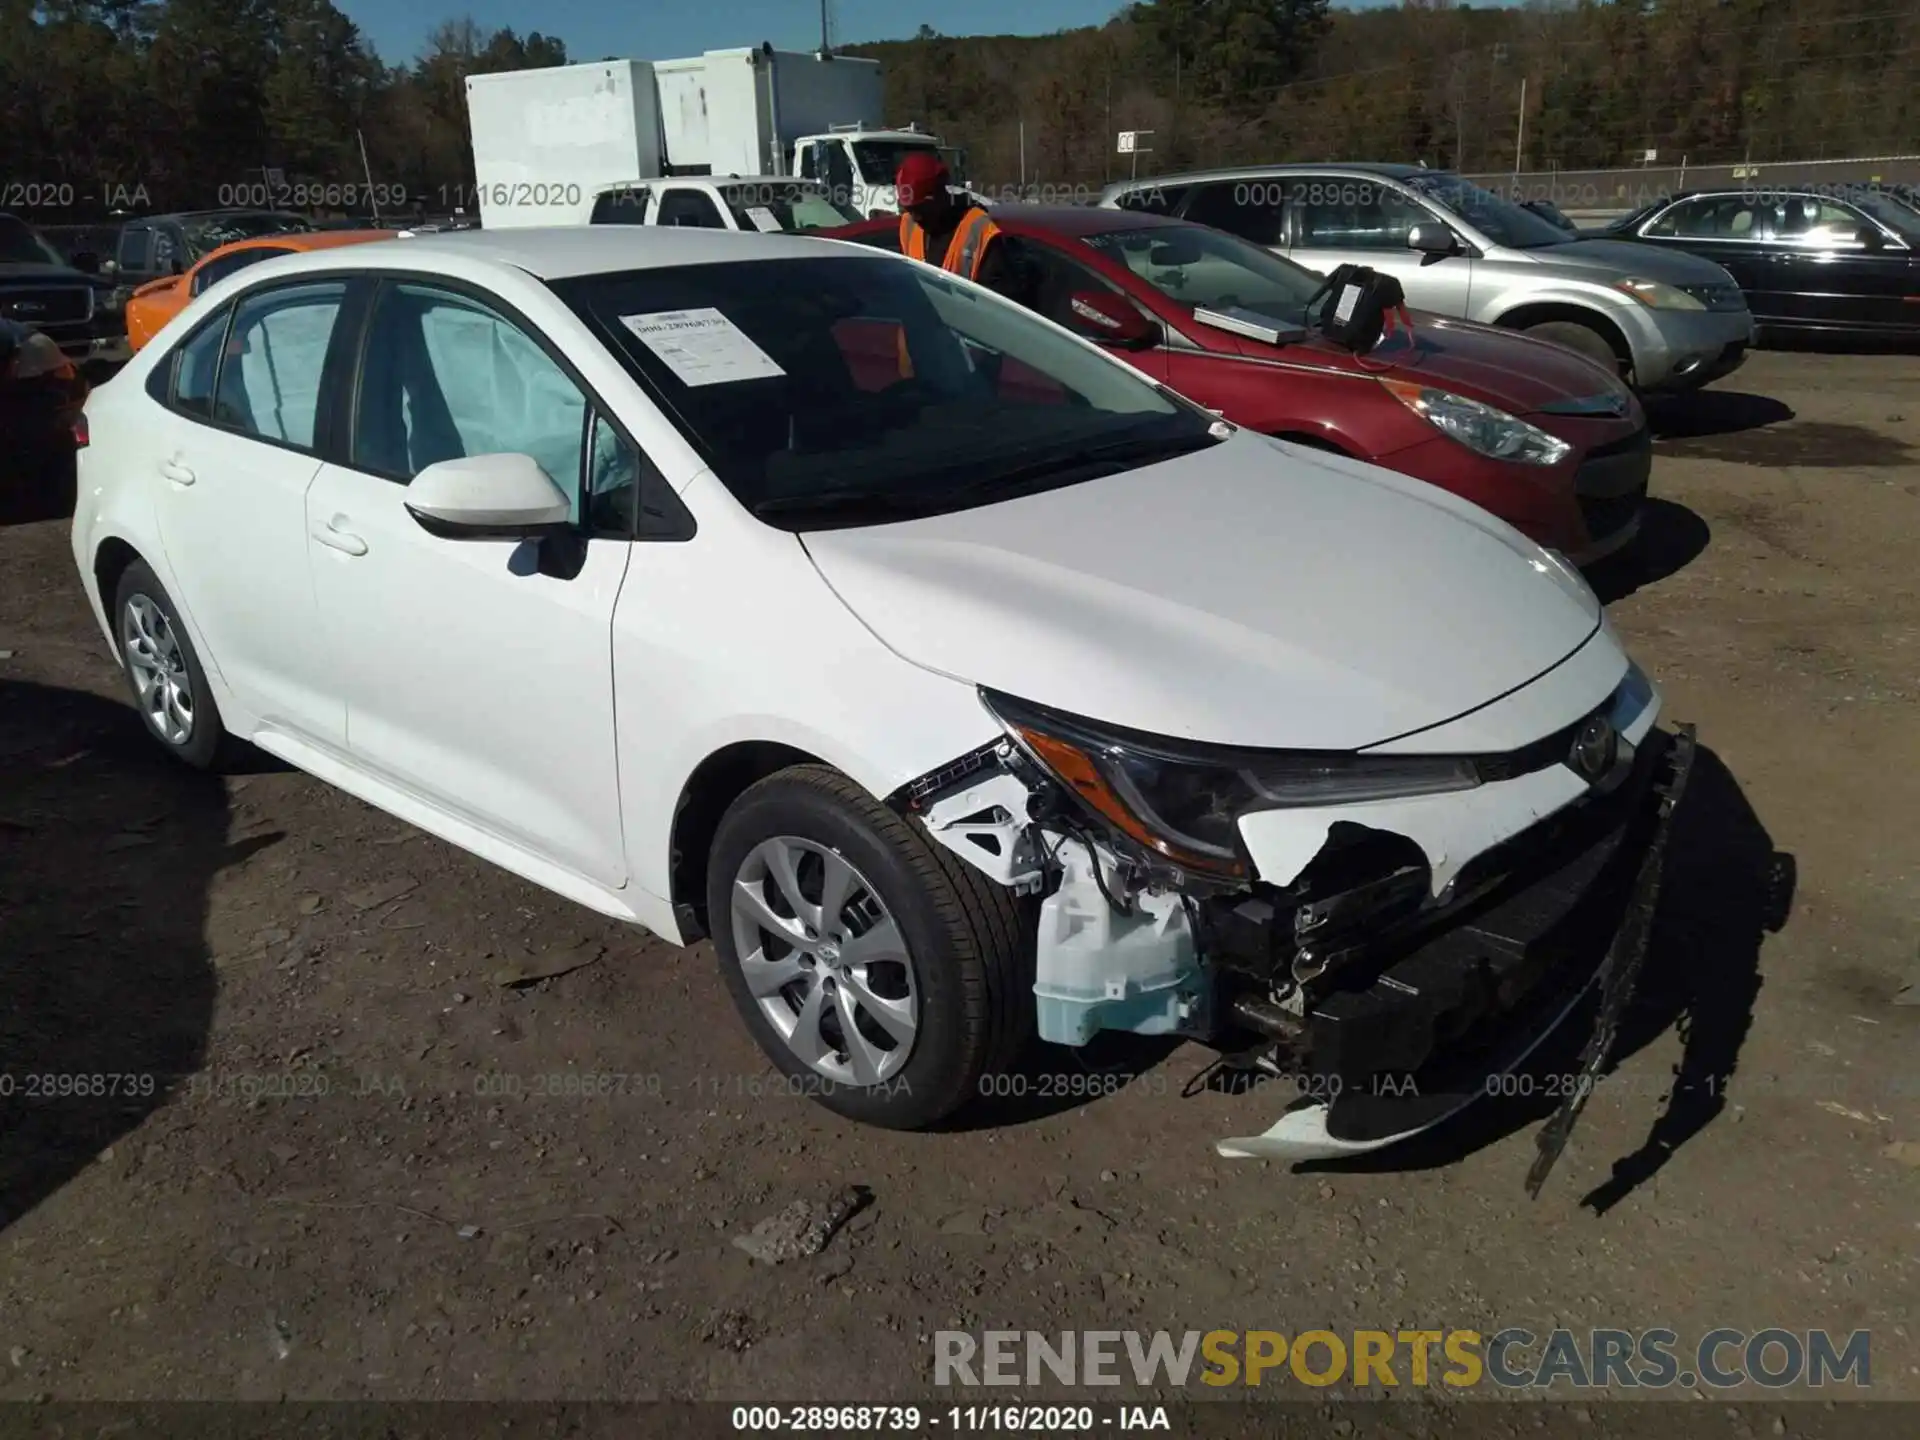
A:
[362,1184]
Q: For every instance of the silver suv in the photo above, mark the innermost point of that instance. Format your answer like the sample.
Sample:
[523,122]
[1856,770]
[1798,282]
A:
[1665,321]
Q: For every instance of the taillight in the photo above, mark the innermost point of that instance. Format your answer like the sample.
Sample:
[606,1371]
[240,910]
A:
[80,435]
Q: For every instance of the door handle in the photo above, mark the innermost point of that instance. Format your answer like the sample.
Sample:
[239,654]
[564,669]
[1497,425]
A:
[344,541]
[177,471]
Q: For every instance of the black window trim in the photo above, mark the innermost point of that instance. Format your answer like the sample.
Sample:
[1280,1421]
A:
[166,391]
[346,407]
[163,381]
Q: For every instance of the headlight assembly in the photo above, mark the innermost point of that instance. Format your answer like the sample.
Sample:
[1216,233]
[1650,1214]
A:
[1184,802]
[1658,295]
[1481,428]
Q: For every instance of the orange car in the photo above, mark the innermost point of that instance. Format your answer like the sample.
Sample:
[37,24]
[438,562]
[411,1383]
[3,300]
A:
[158,301]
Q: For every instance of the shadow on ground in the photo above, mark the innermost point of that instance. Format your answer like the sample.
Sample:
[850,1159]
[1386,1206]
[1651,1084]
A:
[107,851]
[40,491]
[1725,889]
[1737,428]
[1671,538]
[1703,413]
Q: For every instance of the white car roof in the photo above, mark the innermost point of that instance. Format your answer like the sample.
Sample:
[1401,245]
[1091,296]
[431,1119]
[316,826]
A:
[560,252]
[713,182]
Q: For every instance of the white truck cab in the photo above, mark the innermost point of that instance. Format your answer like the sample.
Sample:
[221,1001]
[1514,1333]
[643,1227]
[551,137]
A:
[859,164]
[769,204]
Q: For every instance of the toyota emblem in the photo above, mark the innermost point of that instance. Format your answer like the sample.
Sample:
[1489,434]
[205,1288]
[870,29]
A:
[1595,748]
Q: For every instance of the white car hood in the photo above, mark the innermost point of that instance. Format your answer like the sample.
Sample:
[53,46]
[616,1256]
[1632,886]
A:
[1252,594]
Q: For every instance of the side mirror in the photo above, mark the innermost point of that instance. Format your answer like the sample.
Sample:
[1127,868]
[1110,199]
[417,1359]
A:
[86,261]
[488,497]
[1111,321]
[1430,239]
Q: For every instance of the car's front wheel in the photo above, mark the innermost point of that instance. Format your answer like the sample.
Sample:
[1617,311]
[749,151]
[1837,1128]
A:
[883,976]
[169,687]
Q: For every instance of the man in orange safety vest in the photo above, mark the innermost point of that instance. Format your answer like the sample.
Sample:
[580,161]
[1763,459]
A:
[958,236]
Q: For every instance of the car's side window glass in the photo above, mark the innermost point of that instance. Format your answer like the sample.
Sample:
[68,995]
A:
[625,206]
[446,377]
[1709,217]
[1052,279]
[1811,222]
[166,254]
[690,207]
[136,248]
[1341,214]
[626,495]
[195,366]
[1251,209]
[275,355]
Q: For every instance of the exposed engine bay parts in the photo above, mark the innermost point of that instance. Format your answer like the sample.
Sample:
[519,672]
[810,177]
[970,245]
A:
[1386,931]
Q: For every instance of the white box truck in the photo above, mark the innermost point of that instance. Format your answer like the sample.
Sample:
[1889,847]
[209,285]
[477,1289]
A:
[548,142]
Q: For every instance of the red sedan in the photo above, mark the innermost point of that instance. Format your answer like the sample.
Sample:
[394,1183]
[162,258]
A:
[1536,434]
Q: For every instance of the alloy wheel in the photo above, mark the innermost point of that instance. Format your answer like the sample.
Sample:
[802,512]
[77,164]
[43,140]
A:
[158,666]
[825,961]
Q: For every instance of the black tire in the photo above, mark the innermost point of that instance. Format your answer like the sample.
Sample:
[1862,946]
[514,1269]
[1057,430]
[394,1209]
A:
[1582,339]
[206,743]
[970,945]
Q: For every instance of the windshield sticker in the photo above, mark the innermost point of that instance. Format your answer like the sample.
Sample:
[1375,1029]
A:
[702,347]
[764,220]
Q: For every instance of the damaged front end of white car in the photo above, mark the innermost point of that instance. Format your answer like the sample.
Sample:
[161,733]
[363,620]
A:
[1390,931]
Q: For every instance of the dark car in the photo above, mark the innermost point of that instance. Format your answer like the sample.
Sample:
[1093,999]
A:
[154,247]
[1550,212]
[1808,261]
[45,291]
[41,396]
[1533,432]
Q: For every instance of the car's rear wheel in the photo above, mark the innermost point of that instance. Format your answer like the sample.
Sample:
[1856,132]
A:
[883,976]
[168,684]
[1584,339]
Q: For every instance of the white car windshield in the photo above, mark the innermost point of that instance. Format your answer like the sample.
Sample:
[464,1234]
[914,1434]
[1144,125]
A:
[1501,221]
[1195,266]
[854,390]
[790,207]
[879,160]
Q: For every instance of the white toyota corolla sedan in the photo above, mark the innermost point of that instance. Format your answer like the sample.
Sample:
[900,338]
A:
[961,683]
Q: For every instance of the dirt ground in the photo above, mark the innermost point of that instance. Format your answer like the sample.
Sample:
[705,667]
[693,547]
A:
[335,1166]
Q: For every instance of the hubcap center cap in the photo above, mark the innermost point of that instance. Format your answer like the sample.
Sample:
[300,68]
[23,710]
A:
[829,953]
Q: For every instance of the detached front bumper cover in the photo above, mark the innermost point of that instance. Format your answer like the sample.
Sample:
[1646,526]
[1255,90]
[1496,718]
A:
[1471,1004]
[1619,973]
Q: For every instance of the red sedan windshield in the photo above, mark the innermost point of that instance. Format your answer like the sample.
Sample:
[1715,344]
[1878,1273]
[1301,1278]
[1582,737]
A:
[1195,266]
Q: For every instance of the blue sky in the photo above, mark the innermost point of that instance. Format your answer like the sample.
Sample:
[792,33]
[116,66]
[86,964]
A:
[661,29]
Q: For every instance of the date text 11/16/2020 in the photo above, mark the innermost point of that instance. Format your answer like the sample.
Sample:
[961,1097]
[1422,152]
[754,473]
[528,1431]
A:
[961,1419]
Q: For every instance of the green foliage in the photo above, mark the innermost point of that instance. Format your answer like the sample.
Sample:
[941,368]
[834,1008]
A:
[178,100]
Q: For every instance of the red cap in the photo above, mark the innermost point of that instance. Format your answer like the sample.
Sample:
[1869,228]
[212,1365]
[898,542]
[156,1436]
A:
[921,176]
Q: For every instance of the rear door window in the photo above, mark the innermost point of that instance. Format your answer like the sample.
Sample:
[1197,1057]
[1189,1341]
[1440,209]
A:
[276,355]
[1345,214]
[1251,209]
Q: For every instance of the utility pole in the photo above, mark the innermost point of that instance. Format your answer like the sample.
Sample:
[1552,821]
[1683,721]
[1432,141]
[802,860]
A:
[826,29]
[1520,138]
[1106,161]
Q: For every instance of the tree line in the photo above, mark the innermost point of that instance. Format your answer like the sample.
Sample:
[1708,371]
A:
[159,104]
